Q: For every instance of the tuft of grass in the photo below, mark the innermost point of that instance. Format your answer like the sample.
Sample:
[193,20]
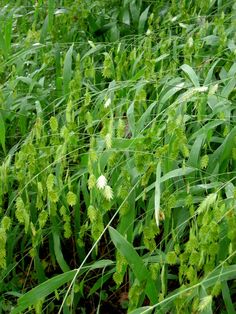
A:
[118,156]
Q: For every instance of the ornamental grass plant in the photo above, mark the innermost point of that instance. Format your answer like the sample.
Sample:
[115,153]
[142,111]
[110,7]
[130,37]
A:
[117,156]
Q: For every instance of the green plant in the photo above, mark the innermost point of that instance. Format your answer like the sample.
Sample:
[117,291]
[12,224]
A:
[118,149]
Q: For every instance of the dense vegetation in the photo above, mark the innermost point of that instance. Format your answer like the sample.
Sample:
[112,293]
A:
[118,156]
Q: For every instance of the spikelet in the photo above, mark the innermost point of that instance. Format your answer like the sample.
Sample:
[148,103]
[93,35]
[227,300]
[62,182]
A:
[53,124]
[108,141]
[6,223]
[101,182]
[91,181]
[204,162]
[107,103]
[71,198]
[108,193]
[43,217]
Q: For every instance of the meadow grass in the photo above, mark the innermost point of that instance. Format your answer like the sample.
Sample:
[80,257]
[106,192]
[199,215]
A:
[118,155]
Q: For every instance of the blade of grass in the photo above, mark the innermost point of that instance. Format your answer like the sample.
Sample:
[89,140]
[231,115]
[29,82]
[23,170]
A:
[157,193]
[67,70]
[191,74]
[2,133]
[227,298]
[142,20]
[135,263]
[46,288]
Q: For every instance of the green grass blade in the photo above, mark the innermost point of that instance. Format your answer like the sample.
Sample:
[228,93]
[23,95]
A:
[131,118]
[135,262]
[228,88]
[51,7]
[223,152]
[58,252]
[170,175]
[157,192]
[141,310]
[210,73]
[227,298]
[191,74]
[195,151]
[44,31]
[144,117]
[142,20]
[2,133]
[42,291]
[49,286]
[67,70]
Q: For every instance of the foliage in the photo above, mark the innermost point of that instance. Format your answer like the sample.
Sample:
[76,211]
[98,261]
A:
[118,156]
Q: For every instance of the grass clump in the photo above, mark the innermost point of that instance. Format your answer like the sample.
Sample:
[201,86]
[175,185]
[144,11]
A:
[118,154]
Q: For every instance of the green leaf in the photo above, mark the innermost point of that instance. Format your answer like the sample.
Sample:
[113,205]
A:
[135,7]
[167,95]
[177,173]
[144,117]
[157,192]
[207,127]
[46,288]
[191,74]
[8,34]
[58,252]
[223,152]
[232,70]
[228,88]
[227,298]
[135,262]
[126,16]
[44,31]
[219,274]
[195,151]
[67,70]
[2,133]
[142,310]
[130,117]
[170,175]
[42,291]
[92,51]
[210,73]
[51,8]
[100,282]
[142,20]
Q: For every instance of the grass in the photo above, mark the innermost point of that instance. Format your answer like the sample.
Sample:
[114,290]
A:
[118,154]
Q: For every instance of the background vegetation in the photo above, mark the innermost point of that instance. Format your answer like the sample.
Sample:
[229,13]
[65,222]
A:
[118,156]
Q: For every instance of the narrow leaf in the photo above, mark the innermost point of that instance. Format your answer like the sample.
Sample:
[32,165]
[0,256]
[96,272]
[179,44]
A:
[67,70]
[142,20]
[131,119]
[51,8]
[2,133]
[227,298]
[135,262]
[157,193]
[46,288]
[191,74]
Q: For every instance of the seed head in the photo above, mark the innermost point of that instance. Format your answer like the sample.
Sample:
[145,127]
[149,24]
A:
[101,182]
[107,103]
[108,193]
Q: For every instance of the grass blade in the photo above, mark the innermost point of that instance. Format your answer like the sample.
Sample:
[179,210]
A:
[135,262]
[157,192]
[2,133]
[227,298]
[46,288]
[67,70]
[142,20]
[191,74]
